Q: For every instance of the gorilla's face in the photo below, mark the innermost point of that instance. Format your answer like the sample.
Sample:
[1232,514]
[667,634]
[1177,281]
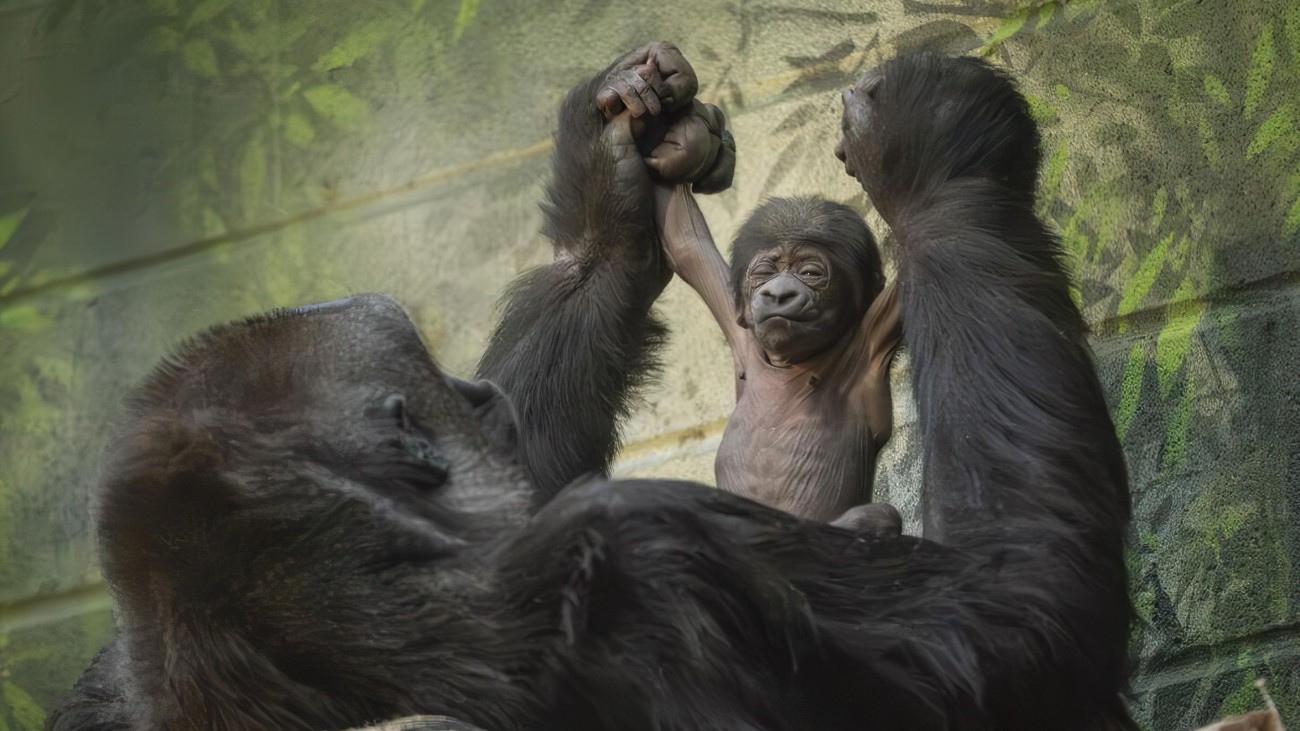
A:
[345,401]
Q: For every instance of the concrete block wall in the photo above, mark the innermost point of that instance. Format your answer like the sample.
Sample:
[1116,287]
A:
[170,164]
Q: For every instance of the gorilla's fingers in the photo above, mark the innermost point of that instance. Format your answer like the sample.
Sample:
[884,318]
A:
[679,81]
[629,89]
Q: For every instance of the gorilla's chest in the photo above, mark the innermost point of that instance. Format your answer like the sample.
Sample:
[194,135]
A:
[795,447]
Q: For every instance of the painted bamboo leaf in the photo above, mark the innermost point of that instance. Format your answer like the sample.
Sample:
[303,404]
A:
[1130,392]
[9,224]
[24,319]
[200,57]
[1145,277]
[25,711]
[468,11]
[298,130]
[337,104]
[1009,27]
[1280,126]
[206,10]
[1172,346]
[1261,70]
[1216,90]
[355,45]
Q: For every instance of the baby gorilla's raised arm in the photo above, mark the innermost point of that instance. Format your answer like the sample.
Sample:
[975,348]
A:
[692,255]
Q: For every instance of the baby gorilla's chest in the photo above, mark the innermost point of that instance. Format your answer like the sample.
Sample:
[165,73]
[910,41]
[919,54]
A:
[798,452]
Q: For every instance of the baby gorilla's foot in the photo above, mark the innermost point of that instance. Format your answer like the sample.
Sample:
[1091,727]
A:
[876,520]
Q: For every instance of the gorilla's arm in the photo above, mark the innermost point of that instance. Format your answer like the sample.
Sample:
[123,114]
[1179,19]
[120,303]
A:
[692,255]
[577,338]
[1022,468]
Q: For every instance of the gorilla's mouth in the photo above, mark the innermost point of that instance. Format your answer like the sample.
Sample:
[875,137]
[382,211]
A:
[801,317]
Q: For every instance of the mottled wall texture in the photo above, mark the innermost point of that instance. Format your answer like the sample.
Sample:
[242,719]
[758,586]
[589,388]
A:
[170,164]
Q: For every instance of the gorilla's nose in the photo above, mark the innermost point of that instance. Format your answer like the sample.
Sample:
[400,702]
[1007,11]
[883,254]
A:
[784,296]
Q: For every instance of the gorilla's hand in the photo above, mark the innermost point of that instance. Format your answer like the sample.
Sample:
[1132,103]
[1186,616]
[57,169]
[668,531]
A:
[695,148]
[652,79]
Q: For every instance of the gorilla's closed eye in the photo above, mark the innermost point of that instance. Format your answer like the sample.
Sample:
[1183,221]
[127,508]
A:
[423,455]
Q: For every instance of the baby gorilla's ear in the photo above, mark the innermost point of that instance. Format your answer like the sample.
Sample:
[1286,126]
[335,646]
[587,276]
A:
[695,148]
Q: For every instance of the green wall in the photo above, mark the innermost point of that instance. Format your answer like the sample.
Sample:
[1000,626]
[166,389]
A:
[169,164]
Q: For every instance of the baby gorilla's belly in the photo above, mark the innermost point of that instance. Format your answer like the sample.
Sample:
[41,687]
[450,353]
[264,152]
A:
[797,463]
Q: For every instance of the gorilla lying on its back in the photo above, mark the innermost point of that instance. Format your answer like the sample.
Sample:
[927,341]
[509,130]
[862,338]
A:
[307,525]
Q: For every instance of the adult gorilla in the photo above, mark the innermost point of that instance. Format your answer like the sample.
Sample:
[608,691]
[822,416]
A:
[307,525]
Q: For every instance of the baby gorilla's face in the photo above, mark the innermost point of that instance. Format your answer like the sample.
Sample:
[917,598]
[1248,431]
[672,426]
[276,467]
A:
[795,303]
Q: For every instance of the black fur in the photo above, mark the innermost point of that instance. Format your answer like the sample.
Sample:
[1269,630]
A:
[1023,470]
[586,315]
[269,572]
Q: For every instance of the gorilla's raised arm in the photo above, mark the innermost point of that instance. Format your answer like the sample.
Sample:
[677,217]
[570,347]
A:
[577,338]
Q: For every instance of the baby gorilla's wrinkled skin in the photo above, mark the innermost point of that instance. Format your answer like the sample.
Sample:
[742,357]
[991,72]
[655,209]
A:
[812,361]
[813,384]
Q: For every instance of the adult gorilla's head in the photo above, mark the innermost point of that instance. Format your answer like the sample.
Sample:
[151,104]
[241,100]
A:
[291,479]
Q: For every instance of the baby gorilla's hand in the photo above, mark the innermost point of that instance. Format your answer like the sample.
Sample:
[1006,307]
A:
[695,148]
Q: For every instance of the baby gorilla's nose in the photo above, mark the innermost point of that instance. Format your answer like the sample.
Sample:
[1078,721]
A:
[783,296]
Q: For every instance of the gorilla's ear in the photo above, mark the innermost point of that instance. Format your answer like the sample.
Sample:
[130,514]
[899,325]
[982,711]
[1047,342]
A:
[493,410]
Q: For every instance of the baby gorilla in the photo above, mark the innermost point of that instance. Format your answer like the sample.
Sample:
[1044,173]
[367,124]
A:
[812,331]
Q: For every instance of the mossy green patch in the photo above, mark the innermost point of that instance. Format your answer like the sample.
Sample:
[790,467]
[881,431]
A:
[1261,71]
[1039,109]
[200,57]
[1062,91]
[337,104]
[1216,90]
[1130,391]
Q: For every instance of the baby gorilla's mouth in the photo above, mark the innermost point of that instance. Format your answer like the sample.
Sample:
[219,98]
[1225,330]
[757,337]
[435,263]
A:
[790,317]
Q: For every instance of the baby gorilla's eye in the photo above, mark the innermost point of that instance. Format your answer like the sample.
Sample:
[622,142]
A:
[811,271]
[763,270]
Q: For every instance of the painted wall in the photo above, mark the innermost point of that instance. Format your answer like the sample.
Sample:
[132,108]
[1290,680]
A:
[170,164]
